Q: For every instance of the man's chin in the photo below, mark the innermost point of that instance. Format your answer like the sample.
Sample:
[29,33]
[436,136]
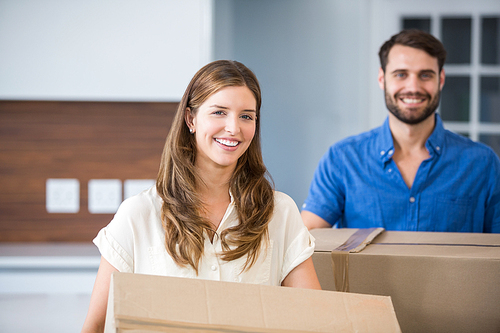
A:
[413,119]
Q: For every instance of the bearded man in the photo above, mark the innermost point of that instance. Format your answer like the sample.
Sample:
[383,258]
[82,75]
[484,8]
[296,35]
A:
[410,173]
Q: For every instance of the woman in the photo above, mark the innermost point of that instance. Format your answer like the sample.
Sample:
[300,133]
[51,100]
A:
[213,213]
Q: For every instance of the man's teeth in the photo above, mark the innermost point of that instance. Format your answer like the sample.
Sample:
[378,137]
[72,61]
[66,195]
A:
[227,142]
[412,100]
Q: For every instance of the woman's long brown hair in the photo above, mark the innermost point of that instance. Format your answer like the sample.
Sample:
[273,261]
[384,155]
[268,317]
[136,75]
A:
[177,178]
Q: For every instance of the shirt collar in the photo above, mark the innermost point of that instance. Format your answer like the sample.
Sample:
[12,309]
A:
[386,143]
[434,142]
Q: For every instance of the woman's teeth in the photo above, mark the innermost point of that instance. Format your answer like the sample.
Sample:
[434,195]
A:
[227,142]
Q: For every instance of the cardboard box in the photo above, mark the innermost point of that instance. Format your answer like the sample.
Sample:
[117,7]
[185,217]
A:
[146,303]
[438,282]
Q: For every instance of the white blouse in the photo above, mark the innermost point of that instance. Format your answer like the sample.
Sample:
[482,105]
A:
[134,242]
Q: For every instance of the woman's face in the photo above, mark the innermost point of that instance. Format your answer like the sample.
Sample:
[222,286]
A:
[224,127]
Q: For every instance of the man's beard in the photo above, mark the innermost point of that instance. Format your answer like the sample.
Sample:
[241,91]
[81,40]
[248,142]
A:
[412,119]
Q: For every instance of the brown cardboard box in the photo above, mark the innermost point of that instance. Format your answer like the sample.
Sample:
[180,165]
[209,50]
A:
[146,303]
[438,282]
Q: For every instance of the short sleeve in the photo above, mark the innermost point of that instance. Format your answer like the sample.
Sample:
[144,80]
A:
[298,242]
[113,252]
[300,249]
[326,197]
[116,240]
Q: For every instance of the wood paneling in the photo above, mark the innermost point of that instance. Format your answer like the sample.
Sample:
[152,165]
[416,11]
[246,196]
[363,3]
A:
[82,140]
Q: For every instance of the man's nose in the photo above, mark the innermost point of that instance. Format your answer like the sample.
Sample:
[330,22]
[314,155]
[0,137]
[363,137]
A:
[412,84]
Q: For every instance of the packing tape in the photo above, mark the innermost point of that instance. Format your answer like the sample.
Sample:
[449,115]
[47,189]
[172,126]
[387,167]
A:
[340,255]
[443,244]
[340,263]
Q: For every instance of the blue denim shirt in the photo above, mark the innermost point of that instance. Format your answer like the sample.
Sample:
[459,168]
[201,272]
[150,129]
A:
[457,189]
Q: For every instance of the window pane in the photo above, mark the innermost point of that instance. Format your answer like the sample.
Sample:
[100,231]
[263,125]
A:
[490,44]
[490,99]
[421,23]
[492,140]
[455,99]
[457,40]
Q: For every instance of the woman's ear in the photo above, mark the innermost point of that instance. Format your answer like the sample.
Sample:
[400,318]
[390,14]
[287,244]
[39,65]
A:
[189,119]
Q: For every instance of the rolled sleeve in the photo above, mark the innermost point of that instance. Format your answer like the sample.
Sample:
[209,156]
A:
[112,251]
[300,249]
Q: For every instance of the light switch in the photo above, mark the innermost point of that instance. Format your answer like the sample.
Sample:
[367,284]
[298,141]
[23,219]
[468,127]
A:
[62,195]
[105,195]
[132,187]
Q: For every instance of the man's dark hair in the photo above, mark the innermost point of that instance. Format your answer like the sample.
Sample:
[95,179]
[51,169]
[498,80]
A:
[417,39]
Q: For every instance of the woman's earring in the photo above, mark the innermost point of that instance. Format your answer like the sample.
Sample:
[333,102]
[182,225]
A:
[191,130]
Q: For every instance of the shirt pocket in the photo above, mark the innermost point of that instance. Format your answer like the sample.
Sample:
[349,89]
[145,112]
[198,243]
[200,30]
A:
[260,271]
[452,213]
[163,264]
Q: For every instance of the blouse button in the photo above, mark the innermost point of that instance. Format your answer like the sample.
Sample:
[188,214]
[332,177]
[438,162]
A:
[214,268]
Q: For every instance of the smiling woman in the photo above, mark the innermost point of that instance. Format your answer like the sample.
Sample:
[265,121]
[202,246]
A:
[224,126]
[213,213]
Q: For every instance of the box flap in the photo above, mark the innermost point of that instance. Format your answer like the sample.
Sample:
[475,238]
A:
[438,238]
[168,304]
[436,244]
[344,239]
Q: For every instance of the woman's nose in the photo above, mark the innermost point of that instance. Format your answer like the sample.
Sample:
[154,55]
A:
[232,126]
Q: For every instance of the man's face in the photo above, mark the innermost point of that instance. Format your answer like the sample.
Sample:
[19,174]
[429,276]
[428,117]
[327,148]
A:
[411,83]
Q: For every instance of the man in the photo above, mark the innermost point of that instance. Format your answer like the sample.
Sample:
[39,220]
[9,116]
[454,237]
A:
[410,173]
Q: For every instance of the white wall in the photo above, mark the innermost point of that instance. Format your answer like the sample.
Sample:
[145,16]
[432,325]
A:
[86,50]
[102,49]
[311,58]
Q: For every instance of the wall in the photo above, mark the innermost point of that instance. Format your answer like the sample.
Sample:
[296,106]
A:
[128,55]
[310,57]
[58,58]
[102,50]
[40,140]
[311,60]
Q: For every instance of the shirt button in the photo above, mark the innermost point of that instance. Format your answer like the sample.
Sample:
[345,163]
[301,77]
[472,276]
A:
[412,199]
[390,152]
[382,152]
[390,170]
[214,268]
[438,148]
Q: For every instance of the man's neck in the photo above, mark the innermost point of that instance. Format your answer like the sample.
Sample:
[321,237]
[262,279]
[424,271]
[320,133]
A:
[409,145]
[410,138]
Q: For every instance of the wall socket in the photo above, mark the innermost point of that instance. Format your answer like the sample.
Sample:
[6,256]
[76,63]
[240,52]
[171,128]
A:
[62,195]
[105,195]
[132,187]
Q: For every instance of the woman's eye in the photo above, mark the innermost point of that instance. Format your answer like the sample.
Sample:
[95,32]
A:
[247,117]
[219,112]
